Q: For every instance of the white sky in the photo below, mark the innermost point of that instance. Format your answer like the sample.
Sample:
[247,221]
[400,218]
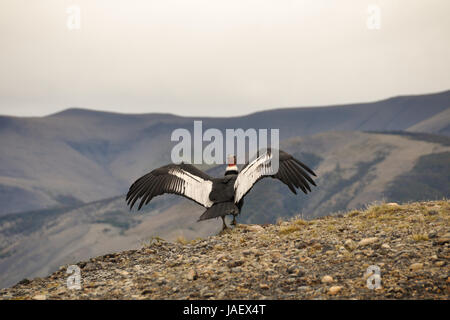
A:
[217,57]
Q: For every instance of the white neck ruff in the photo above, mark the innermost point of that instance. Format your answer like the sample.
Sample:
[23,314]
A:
[232,168]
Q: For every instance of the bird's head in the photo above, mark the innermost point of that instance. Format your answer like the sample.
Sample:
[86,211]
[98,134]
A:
[231,165]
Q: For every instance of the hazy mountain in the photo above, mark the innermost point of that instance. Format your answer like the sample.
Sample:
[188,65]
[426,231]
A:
[354,169]
[439,124]
[79,156]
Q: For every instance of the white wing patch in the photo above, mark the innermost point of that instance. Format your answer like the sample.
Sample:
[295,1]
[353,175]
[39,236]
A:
[193,187]
[259,167]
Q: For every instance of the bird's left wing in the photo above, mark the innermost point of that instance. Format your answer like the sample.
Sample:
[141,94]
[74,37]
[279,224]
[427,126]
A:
[183,179]
[292,172]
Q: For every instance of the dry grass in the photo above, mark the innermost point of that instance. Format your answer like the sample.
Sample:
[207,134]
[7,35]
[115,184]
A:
[289,229]
[181,240]
[279,221]
[354,213]
[294,225]
[384,210]
[331,228]
[300,222]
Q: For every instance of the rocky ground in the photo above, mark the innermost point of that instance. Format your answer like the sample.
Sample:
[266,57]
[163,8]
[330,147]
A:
[325,258]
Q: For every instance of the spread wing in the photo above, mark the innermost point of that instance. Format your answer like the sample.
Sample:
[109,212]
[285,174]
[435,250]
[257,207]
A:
[183,179]
[291,172]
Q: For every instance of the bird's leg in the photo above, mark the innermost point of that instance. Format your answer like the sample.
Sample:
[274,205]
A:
[224,226]
[233,223]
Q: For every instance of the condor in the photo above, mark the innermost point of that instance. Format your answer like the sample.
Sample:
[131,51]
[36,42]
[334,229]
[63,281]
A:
[220,196]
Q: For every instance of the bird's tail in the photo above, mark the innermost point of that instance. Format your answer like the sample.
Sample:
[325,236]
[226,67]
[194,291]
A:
[219,210]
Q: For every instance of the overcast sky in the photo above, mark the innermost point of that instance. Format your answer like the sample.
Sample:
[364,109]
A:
[217,57]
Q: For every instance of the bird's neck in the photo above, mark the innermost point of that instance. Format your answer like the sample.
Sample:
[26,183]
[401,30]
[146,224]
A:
[231,169]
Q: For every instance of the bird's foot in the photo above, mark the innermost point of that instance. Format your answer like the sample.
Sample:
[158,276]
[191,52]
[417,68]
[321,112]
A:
[224,226]
[224,230]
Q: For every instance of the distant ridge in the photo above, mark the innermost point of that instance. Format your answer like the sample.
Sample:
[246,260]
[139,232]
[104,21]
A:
[85,111]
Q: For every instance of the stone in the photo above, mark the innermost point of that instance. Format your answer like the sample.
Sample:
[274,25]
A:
[327,279]
[304,288]
[255,228]
[367,241]
[40,297]
[191,275]
[416,266]
[443,240]
[334,290]
[24,281]
[349,244]
[432,234]
[122,272]
[296,271]
[90,267]
[235,263]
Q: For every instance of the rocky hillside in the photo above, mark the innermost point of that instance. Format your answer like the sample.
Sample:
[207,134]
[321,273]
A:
[322,258]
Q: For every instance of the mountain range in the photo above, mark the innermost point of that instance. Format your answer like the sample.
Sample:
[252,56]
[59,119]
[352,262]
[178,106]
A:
[79,156]
[63,177]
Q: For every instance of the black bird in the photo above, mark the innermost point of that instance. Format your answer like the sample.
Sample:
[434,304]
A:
[221,196]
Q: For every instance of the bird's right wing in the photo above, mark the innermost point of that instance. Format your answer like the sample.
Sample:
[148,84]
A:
[183,179]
